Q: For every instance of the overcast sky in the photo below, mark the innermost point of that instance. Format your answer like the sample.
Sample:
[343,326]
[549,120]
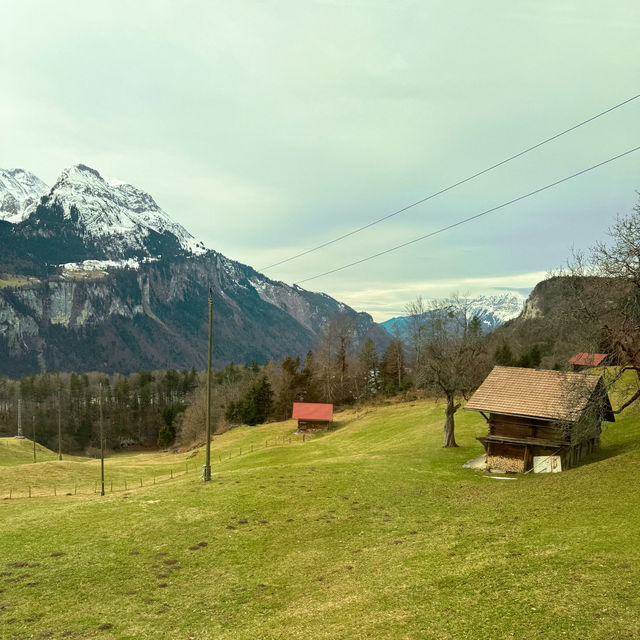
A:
[268,127]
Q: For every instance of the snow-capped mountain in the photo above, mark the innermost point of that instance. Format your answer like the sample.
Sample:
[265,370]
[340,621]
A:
[496,310]
[98,277]
[19,190]
[492,311]
[114,213]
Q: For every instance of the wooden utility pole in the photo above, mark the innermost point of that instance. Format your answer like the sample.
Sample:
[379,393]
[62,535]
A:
[101,442]
[33,420]
[206,470]
[20,435]
[59,424]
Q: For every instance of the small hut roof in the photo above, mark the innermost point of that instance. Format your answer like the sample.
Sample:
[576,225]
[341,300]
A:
[537,393]
[312,411]
[588,359]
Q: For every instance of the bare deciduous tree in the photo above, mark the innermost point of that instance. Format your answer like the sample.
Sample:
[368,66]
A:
[334,356]
[453,356]
[417,313]
[601,310]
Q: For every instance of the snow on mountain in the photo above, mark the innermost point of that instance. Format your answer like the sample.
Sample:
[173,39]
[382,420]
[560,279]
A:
[118,217]
[491,310]
[114,211]
[496,310]
[19,190]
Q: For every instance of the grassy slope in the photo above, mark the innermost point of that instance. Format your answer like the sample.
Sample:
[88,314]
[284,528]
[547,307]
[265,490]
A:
[370,531]
[15,451]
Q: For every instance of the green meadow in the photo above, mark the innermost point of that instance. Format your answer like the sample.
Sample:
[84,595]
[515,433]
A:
[369,531]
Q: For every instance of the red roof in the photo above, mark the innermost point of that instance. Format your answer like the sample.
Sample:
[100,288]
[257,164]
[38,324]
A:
[588,359]
[312,411]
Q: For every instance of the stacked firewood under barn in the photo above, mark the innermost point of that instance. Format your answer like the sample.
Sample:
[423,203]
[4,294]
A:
[516,465]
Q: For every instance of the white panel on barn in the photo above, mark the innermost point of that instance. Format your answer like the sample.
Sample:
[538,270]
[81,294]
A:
[547,464]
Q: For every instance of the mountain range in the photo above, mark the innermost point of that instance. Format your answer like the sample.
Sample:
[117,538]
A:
[492,311]
[95,275]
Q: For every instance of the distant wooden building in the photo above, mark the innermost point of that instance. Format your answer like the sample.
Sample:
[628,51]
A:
[541,414]
[312,416]
[582,361]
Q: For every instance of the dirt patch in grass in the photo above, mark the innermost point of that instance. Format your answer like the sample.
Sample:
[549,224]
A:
[57,554]
[105,626]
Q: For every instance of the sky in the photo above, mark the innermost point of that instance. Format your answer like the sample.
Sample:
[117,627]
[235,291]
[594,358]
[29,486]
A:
[269,127]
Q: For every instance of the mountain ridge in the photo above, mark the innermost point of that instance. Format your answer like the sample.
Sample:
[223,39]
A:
[492,311]
[101,278]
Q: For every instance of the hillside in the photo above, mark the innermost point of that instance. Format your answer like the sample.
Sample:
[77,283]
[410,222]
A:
[555,315]
[17,451]
[372,530]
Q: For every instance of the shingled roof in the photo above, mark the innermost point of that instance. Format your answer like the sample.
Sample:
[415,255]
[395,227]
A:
[536,393]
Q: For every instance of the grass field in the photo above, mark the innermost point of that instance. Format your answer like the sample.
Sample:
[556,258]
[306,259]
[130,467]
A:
[370,531]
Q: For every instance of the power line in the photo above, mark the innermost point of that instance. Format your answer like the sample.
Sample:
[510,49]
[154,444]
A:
[454,185]
[470,218]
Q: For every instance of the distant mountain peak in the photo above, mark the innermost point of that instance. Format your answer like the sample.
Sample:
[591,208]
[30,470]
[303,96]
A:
[491,310]
[19,190]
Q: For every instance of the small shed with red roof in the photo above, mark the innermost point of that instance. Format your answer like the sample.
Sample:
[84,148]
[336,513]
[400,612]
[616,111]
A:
[312,416]
[585,360]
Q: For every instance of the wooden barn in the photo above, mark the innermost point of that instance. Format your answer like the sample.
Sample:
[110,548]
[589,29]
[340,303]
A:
[312,416]
[582,361]
[537,415]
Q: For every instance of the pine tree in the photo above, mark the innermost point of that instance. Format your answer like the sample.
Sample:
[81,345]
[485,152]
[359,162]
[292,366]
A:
[393,367]
[369,368]
[503,355]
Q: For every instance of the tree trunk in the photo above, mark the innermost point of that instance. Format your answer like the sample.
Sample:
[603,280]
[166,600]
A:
[449,425]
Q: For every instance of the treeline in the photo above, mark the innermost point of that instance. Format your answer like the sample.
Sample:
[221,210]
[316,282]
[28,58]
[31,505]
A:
[337,372]
[156,408]
[136,408]
[152,408]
